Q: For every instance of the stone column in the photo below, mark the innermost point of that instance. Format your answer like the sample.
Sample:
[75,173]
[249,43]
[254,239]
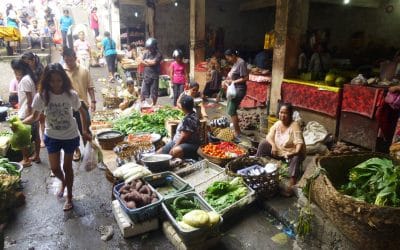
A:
[197,33]
[291,21]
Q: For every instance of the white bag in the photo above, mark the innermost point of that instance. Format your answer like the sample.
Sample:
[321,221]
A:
[91,156]
[231,91]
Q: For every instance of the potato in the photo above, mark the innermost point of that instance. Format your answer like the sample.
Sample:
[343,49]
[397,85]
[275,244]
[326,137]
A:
[131,204]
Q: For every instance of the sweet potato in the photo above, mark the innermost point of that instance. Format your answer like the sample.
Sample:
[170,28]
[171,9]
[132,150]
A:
[131,204]
[144,190]
[154,200]
[135,196]
[123,196]
[146,199]
[139,185]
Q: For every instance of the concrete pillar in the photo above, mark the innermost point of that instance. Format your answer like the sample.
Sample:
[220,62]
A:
[115,27]
[197,33]
[291,20]
[150,13]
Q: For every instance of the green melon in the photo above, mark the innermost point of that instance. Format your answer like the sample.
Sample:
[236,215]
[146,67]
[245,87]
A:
[330,79]
[340,81]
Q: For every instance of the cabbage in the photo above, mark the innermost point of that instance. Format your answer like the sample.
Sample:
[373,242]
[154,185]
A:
[21,137]
[196,218]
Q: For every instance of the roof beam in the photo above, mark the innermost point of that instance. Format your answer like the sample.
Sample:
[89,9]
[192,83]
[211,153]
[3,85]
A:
[355,3]
[256,4]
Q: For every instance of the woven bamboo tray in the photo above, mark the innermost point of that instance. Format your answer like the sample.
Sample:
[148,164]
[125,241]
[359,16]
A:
[367,225]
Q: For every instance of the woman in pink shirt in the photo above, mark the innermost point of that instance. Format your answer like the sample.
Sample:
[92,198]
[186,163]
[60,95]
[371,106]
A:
[94,22]
[178,74]
[82,50]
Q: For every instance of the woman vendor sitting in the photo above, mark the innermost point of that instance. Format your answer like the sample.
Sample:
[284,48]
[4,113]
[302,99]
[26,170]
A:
[194,92]
[186,140]
[129,95]
[285,142]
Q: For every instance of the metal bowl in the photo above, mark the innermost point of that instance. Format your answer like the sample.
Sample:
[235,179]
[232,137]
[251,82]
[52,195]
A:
[18,165]
[157,162]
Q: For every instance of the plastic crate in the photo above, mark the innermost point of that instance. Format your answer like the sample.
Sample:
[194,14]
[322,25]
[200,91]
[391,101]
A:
[140,214]
[200,171]
[197,235]
[233,208]
[163,179]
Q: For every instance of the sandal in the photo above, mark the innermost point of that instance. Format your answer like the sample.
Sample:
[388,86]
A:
[35,160]
[77,156]
[68,206]
[26,164]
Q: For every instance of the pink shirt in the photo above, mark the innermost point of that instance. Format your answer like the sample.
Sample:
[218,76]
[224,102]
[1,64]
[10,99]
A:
[81,47]
[93,23]
[178,76]
[13,86]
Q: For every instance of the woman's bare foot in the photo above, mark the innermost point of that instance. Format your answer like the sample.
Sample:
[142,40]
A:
[35,159]
[26,163]
[60,193]
[68,205]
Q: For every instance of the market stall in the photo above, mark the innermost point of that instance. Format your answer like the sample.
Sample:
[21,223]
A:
[364,117]
[315,102]
[258,91]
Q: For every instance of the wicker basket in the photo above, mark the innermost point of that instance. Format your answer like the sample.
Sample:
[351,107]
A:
[217,160]
[112,102]
[367,225]
[265,185]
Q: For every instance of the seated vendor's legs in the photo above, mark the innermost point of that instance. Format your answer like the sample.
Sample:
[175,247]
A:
[294,168]
[264,149]
[166,148]
[185,151]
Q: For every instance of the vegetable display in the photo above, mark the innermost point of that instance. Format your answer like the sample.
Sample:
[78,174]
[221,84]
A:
[21,134]
[136,194]
[131,171]
[152,122]
[222,194]
[7,168]
[190,216]
[376,181]
[223,150]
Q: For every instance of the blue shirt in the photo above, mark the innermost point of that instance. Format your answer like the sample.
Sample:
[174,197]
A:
[109,46]
[66,22]
[12,23]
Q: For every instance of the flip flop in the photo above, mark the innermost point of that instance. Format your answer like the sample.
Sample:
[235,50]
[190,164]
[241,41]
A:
[77,156]
[26,164]
[68,206]
[35,160]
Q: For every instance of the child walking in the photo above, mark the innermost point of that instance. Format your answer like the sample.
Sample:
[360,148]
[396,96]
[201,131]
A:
[178,74]
[57,100]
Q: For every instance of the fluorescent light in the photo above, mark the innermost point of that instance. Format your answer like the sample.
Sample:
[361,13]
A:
[346,1]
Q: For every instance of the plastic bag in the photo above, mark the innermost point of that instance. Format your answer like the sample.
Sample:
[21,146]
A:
[393,99]
[359,80]
[231,91]
[57,37]
[91,156]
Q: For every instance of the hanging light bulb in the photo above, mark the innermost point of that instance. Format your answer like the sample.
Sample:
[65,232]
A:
[346,1]
[136,14]
[176,3]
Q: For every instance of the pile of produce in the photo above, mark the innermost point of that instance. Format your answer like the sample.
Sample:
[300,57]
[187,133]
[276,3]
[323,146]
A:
[136,194]
[223,150]
[376,181]
[224,134]
[222,194]
[152,123]
[7,168]
[342,148]
[248,120]
[21,134]
[190,216]
[139,138]
[131,171]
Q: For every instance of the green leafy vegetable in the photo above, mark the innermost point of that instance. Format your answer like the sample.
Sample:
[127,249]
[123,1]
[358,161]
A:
[222,194]
[7,168]
[152,123]
[376,181]
[183,205]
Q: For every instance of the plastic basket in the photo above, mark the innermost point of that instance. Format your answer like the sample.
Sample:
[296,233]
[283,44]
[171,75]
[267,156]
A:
[147,212]
[200,171]
[160,180]
[233,208]
[198,235]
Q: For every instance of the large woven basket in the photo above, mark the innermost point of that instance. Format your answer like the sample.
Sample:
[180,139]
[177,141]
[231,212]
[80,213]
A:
[111,102]
[265,185]
[367,225]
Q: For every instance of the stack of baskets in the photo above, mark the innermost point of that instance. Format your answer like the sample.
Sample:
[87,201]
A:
[265,185]
[367,225]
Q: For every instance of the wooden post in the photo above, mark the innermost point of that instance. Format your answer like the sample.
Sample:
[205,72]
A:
[197,33]
[291,19]
[150,14]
